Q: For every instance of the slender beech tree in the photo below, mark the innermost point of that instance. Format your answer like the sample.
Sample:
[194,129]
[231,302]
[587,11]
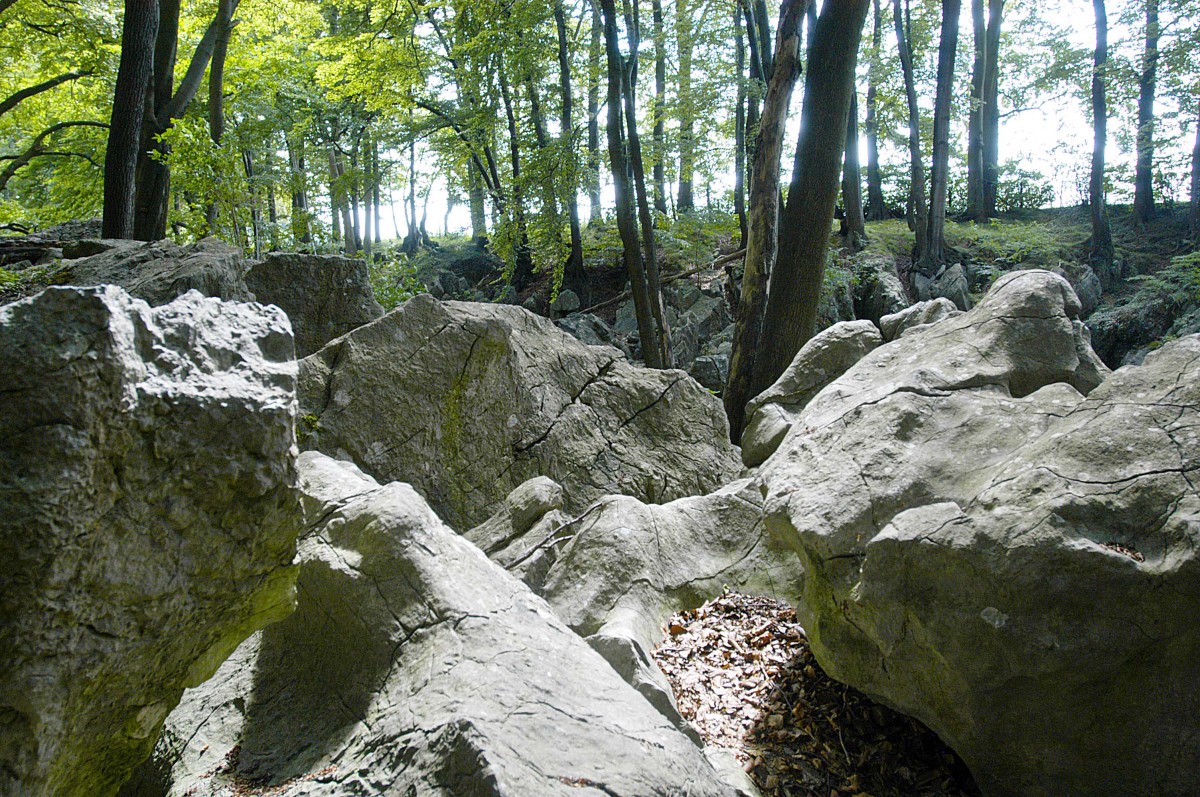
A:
[935,254]
[1101,249]
[990,115]
[1194,210]
[1143,174]
[855,227]
[762,243]
[595,52]
[739,126]
[129,104]
[573,274]
[918,210]
[805,223]
[659,109]
[975,205]
[876,209]
[647,295]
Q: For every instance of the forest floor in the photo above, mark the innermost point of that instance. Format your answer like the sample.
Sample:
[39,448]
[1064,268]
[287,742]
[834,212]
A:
[744,676]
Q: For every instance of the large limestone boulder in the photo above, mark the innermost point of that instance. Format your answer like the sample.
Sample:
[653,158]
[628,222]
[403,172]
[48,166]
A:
[147,467]
[413,665]
[878,289]
[825,357]
[159,272]
[325,296]
[1008,561]
[467,401]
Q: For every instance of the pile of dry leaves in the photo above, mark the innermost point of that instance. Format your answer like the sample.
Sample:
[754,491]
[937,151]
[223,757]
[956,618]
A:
[744,676]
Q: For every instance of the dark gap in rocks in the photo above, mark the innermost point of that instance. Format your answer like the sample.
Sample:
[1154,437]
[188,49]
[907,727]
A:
[744,676]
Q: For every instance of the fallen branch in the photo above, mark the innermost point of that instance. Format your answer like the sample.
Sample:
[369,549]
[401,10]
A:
[720,261]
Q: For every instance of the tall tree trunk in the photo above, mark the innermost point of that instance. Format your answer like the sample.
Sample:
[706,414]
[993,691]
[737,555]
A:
[255,213]
[301,222]
[1143,175]
[876,205]
[990,118]
[216,88]
[595,50]
[685,32]
[627,223]
[660,109]
[522,275]
[354,190]
[1194,210]
[1101,252]
[375,179]
[935,255]
[763,240]
[975,205]
[918,210]
[477,198]
[335,208]
[573,273]
[856,227]
[795,292]
[739,126]
[368,242]
[129,104]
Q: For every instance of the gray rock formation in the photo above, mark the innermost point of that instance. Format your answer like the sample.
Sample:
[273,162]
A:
[1085,284]
[159,272]
[878,289]
[413,665]
[1011,563]
[920,314]
[711,371]
[147,468]
[467,401]
[824,358]
[324,296]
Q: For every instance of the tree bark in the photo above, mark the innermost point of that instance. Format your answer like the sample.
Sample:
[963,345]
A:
[1194,210]
[596,211]
[573,273]
[918,212]
[876,209]
[763,239]
[990,117]
[856,227]
[301,223]
[795,292]
[626,219]
[685,33]
[1101,250]
[660,109]
[935,255]
[1143,175]
[523,267]
[477,198]
[739,127]
[134,74]
[975,205]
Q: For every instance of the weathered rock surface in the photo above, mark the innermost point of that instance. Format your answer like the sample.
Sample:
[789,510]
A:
[1011,563]
[159,272]
[824,358]
[147,467]
[413,665]
[467,401]
[325,296]
[919,314]
[1084,282]
[878,289]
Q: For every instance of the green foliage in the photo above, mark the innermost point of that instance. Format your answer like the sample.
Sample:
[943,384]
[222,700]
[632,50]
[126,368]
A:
[394,280]
[694,239]
[1177,285]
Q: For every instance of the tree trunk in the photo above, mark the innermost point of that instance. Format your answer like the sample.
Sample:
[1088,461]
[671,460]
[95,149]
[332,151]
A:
[125,133]
[685,43]
[216,87]
[301,229]
[626,219]
[1101,252]
[375,179]
[1143,175]
[855,230]
[918,220]
[595,48]
[573,273]
[522,275]
[935,255]
[1194,210]
[975,205]
[660,109]
[739,127]
[255,213]
[354,190]
[990,117]
[805,222]
[763,240]
[477,197]
[876,205]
